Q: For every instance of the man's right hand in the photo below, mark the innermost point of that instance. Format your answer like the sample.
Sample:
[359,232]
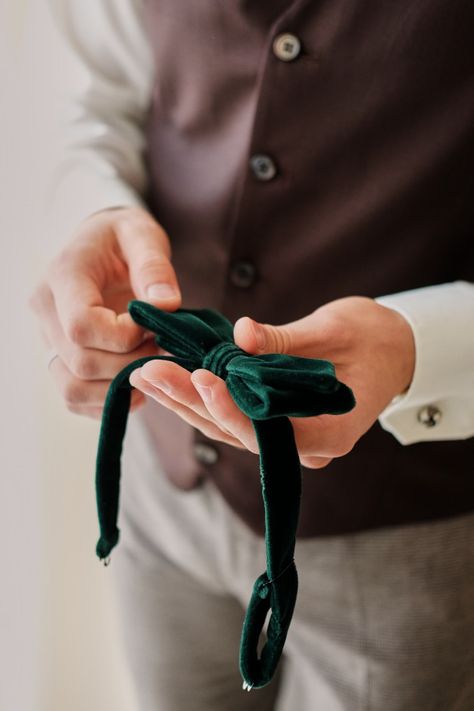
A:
[115,256]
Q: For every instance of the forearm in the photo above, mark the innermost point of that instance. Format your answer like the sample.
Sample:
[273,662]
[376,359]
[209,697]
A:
[102,105]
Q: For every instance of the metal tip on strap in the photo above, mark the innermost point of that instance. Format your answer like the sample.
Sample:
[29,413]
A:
[247,687]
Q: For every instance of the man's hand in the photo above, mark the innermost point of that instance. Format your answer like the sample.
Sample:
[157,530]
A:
[371,346]
[116,255]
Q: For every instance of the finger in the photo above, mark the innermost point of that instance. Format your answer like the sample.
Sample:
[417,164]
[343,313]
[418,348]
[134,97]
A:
[175,382]
[320,332]
[206,426]
[96,413]
[325,435]
[89,363]
[84,319]
[75,392]
[146,249]
[223,409]
[315,462]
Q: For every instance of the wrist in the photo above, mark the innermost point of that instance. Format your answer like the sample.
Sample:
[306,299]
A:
[402,351]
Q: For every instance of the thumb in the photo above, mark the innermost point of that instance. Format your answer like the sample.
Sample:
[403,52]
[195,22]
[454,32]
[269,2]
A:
[146,249]
[294,338]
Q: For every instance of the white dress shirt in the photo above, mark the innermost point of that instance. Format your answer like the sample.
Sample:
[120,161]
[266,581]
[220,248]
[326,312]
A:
[108,81]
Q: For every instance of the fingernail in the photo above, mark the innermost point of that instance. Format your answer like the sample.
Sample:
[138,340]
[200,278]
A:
[161,292]
[205,392]
[160,384]
[133,376]
[259,335]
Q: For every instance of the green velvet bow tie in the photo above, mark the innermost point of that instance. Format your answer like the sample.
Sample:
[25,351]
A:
[269,389]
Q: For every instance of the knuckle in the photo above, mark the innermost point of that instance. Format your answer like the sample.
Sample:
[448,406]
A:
[76,329]
[73,393]
[125,342]
[83,366]
[155,264]
[140,226]
[280,338]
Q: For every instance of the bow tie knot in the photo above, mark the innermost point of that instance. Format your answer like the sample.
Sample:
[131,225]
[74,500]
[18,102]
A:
[219,356]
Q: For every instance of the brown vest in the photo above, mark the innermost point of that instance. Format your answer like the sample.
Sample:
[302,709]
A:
[365,188]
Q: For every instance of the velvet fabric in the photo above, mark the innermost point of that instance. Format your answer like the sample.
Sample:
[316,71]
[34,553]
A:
[269,389]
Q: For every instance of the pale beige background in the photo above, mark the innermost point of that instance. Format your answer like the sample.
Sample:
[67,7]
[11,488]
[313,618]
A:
[59,646]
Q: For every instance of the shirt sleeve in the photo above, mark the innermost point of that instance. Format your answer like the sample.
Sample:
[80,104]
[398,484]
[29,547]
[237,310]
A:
[100,105]
[439,403]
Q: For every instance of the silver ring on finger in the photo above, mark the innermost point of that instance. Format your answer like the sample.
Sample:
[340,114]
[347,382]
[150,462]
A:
[50,356]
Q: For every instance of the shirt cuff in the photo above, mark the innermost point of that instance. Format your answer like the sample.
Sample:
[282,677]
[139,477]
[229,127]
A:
[439,403]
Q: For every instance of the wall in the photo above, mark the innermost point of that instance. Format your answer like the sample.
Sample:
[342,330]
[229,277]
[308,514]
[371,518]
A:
[59,642]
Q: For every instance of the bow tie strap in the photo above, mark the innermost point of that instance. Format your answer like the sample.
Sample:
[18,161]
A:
[275,590]
[109,451]
[268,389]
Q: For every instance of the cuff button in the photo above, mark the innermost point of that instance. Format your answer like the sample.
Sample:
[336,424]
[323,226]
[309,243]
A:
[429,416]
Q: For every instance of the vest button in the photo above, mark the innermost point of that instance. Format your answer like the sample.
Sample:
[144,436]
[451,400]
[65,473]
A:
[429,416]
[286,47]
[205,453]
[263,166]
[243,274]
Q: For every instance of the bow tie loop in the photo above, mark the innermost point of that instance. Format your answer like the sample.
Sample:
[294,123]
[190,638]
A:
[186,333]
[276,385]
